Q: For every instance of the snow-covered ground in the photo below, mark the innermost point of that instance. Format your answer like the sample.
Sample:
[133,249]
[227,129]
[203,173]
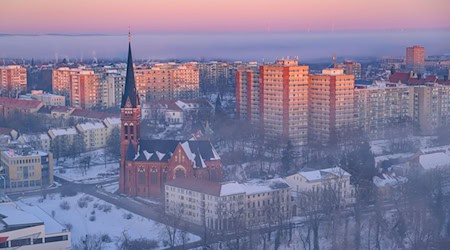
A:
[70,168]
[94,174]
[381,147]
[111,187]
[93,217]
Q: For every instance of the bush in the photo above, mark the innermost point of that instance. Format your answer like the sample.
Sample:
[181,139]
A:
[107,208]
[128,216]
[40,200]
[140,243]
[67,192]
[93,212]
[82,203]
[64,205]
[92,218]
[105,238]
[96,205]
[68,226]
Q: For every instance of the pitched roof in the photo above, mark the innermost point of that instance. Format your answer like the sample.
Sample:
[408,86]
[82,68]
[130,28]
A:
[162,150]
[5,131]
[322,174]
[399,77]
[92,114]
[198,185]
[130,92]
[17,103]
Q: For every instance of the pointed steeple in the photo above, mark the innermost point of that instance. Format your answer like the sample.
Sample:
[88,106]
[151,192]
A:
[130,92]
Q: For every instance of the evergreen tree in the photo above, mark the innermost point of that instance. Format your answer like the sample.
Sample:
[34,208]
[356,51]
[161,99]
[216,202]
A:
[287,158]
[360,163]
[78,146]
[113,143]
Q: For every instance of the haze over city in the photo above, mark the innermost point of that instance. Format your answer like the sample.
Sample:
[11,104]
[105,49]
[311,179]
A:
[225,125]
[250,30]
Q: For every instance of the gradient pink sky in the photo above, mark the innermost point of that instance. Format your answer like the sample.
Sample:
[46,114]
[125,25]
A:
[113,16]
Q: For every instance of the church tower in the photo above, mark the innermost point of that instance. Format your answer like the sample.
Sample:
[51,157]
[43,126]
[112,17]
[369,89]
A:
[130,114]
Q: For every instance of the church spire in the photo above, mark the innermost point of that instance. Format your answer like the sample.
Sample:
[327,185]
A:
[130,92]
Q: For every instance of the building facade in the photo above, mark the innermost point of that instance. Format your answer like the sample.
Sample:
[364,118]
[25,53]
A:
[415,58]
[283,99]
[377,105]
[247,93]
[13,80]
[331,105]
[111,89]
[431,107]
[228,206]
[167,81]
[81,87]
[309,185]
[26,169]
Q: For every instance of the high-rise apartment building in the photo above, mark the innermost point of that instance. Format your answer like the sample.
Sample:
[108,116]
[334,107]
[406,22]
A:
[247,93]
[431,106]
[350,68]
[283,97]
[13,80]
[111,88]
[84,89]
[331,110]
[79,86]
[61,79]
[167,81]
[185,81]
[217,76]
[415,58]
[381,103]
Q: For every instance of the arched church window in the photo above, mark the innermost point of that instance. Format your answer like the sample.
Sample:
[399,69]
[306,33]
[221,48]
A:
[180,173]
[154,176]
[141,176]
[164,174]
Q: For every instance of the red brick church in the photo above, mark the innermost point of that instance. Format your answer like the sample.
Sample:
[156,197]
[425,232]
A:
[146,165]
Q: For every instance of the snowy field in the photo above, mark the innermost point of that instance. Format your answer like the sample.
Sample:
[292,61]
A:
[85,214]
[94,174]
[72,170]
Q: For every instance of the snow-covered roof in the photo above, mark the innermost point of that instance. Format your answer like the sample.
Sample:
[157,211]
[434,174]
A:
[231,188]
[11,216]
[262,186]
[187,150]
[325,173]
[63,131]
[434,160]
[14,153]
[112,121]
[445,148]
[35,137]
[51,225]
[388,180]
[382,158]
[91,125]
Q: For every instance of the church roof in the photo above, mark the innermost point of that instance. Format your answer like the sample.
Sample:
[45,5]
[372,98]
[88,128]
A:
[130,92]
[130,152]
[162,150]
